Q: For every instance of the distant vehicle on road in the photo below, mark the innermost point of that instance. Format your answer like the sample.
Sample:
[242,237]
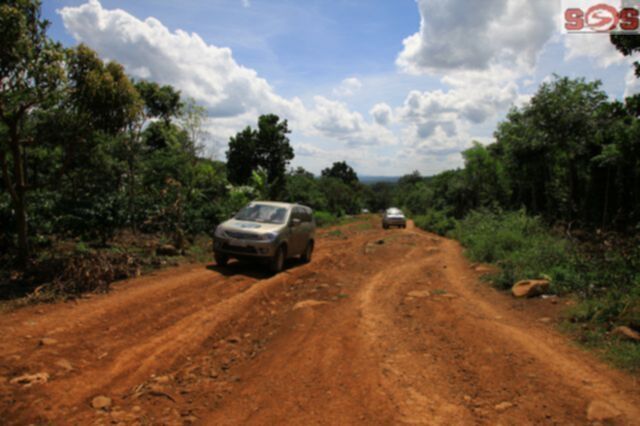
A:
[268,231]
[394,217]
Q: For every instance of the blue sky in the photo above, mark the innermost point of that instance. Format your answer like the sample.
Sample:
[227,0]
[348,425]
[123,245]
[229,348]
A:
[388,86]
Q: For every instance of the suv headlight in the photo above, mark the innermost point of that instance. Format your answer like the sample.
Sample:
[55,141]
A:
[219,232]
[269,237]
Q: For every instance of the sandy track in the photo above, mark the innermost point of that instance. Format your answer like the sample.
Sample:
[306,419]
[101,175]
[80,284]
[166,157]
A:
[404,332]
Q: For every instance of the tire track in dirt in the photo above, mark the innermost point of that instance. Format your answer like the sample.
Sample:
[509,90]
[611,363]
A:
[394,328]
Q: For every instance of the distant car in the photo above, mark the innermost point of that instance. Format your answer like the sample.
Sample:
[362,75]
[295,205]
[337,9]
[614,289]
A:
[365,211]
[394,217]
[266,231]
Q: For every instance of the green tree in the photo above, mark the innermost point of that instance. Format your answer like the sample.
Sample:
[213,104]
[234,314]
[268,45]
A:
[342,171]
[161,102]
[31,74]
[267,147]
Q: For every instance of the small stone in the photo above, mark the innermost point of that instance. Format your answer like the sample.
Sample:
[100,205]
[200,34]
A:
[64,364]
[600,411]
[626,333]
[530,288]
[503,406]
[545,320]
[47,341]
[101,402]
[419,294]
[233,339]
[213,374]
[163,379]
[28,380]
[308,304]
[467,398]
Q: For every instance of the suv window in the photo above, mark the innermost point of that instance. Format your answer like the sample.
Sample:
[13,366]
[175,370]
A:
[296,213]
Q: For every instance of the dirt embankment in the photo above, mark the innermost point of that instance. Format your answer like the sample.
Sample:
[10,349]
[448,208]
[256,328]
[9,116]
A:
[381,328]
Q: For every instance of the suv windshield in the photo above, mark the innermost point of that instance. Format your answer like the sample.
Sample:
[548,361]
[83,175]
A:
[263,213]
[394,212]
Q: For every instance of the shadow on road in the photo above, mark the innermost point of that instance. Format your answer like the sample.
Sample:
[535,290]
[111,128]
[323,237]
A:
[256,269]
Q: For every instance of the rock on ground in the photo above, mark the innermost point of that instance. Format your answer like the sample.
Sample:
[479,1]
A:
[308,304]
[101,402]
[626,333]
[600,411]
[530,288]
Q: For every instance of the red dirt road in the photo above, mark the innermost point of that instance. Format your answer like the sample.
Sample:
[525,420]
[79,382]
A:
[397,333]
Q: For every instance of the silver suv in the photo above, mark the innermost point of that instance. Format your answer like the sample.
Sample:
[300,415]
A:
[266,230]
[394,217]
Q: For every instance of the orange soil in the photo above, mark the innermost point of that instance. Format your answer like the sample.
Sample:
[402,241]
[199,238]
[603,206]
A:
[207,345]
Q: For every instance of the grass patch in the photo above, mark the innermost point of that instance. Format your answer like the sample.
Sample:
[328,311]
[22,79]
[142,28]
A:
[604,280]
[337,233]
[520,245]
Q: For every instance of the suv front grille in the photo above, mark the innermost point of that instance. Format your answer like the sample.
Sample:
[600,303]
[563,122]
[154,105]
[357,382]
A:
[242,236]
[247,250]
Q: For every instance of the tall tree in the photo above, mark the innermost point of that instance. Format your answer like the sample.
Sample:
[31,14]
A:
[341,170]
[31,74]
[267,148]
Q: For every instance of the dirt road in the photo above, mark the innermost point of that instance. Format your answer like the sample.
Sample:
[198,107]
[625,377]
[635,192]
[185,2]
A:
[383,327]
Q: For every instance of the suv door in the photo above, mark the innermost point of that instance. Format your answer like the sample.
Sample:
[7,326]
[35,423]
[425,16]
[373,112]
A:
[296,239]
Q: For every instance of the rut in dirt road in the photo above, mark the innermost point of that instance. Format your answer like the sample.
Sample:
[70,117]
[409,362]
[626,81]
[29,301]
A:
[381,328]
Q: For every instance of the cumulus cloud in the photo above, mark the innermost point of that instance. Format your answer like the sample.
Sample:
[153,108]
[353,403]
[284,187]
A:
[148,49]
[333,118]
[597,47]
[439,121]
[348,87]
[382,114]
[234,95]
[475,35]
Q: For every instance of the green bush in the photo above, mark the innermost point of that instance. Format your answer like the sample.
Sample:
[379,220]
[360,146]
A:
[325,219]
[521,245]
[435,221]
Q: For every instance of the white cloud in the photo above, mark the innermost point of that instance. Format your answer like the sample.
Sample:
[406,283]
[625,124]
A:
[597,47]
[382,114]
[633,83]
[334,119]
[234,95]
[246,3]
[348,87]
[475,35]
[439,121]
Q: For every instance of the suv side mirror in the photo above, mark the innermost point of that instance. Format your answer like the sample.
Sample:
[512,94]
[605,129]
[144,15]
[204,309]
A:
[295,222]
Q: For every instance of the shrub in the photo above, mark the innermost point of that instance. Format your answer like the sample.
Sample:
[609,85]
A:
[325,218]
[521,245]
[435,221]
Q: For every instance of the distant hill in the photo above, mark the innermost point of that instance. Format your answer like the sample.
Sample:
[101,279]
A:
[369,180]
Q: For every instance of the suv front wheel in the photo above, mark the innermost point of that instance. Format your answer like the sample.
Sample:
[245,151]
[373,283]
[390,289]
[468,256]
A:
[221,259]
[277,261]
[308,252]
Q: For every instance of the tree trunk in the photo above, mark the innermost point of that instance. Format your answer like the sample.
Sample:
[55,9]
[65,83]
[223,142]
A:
[17,188]
[20,202]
